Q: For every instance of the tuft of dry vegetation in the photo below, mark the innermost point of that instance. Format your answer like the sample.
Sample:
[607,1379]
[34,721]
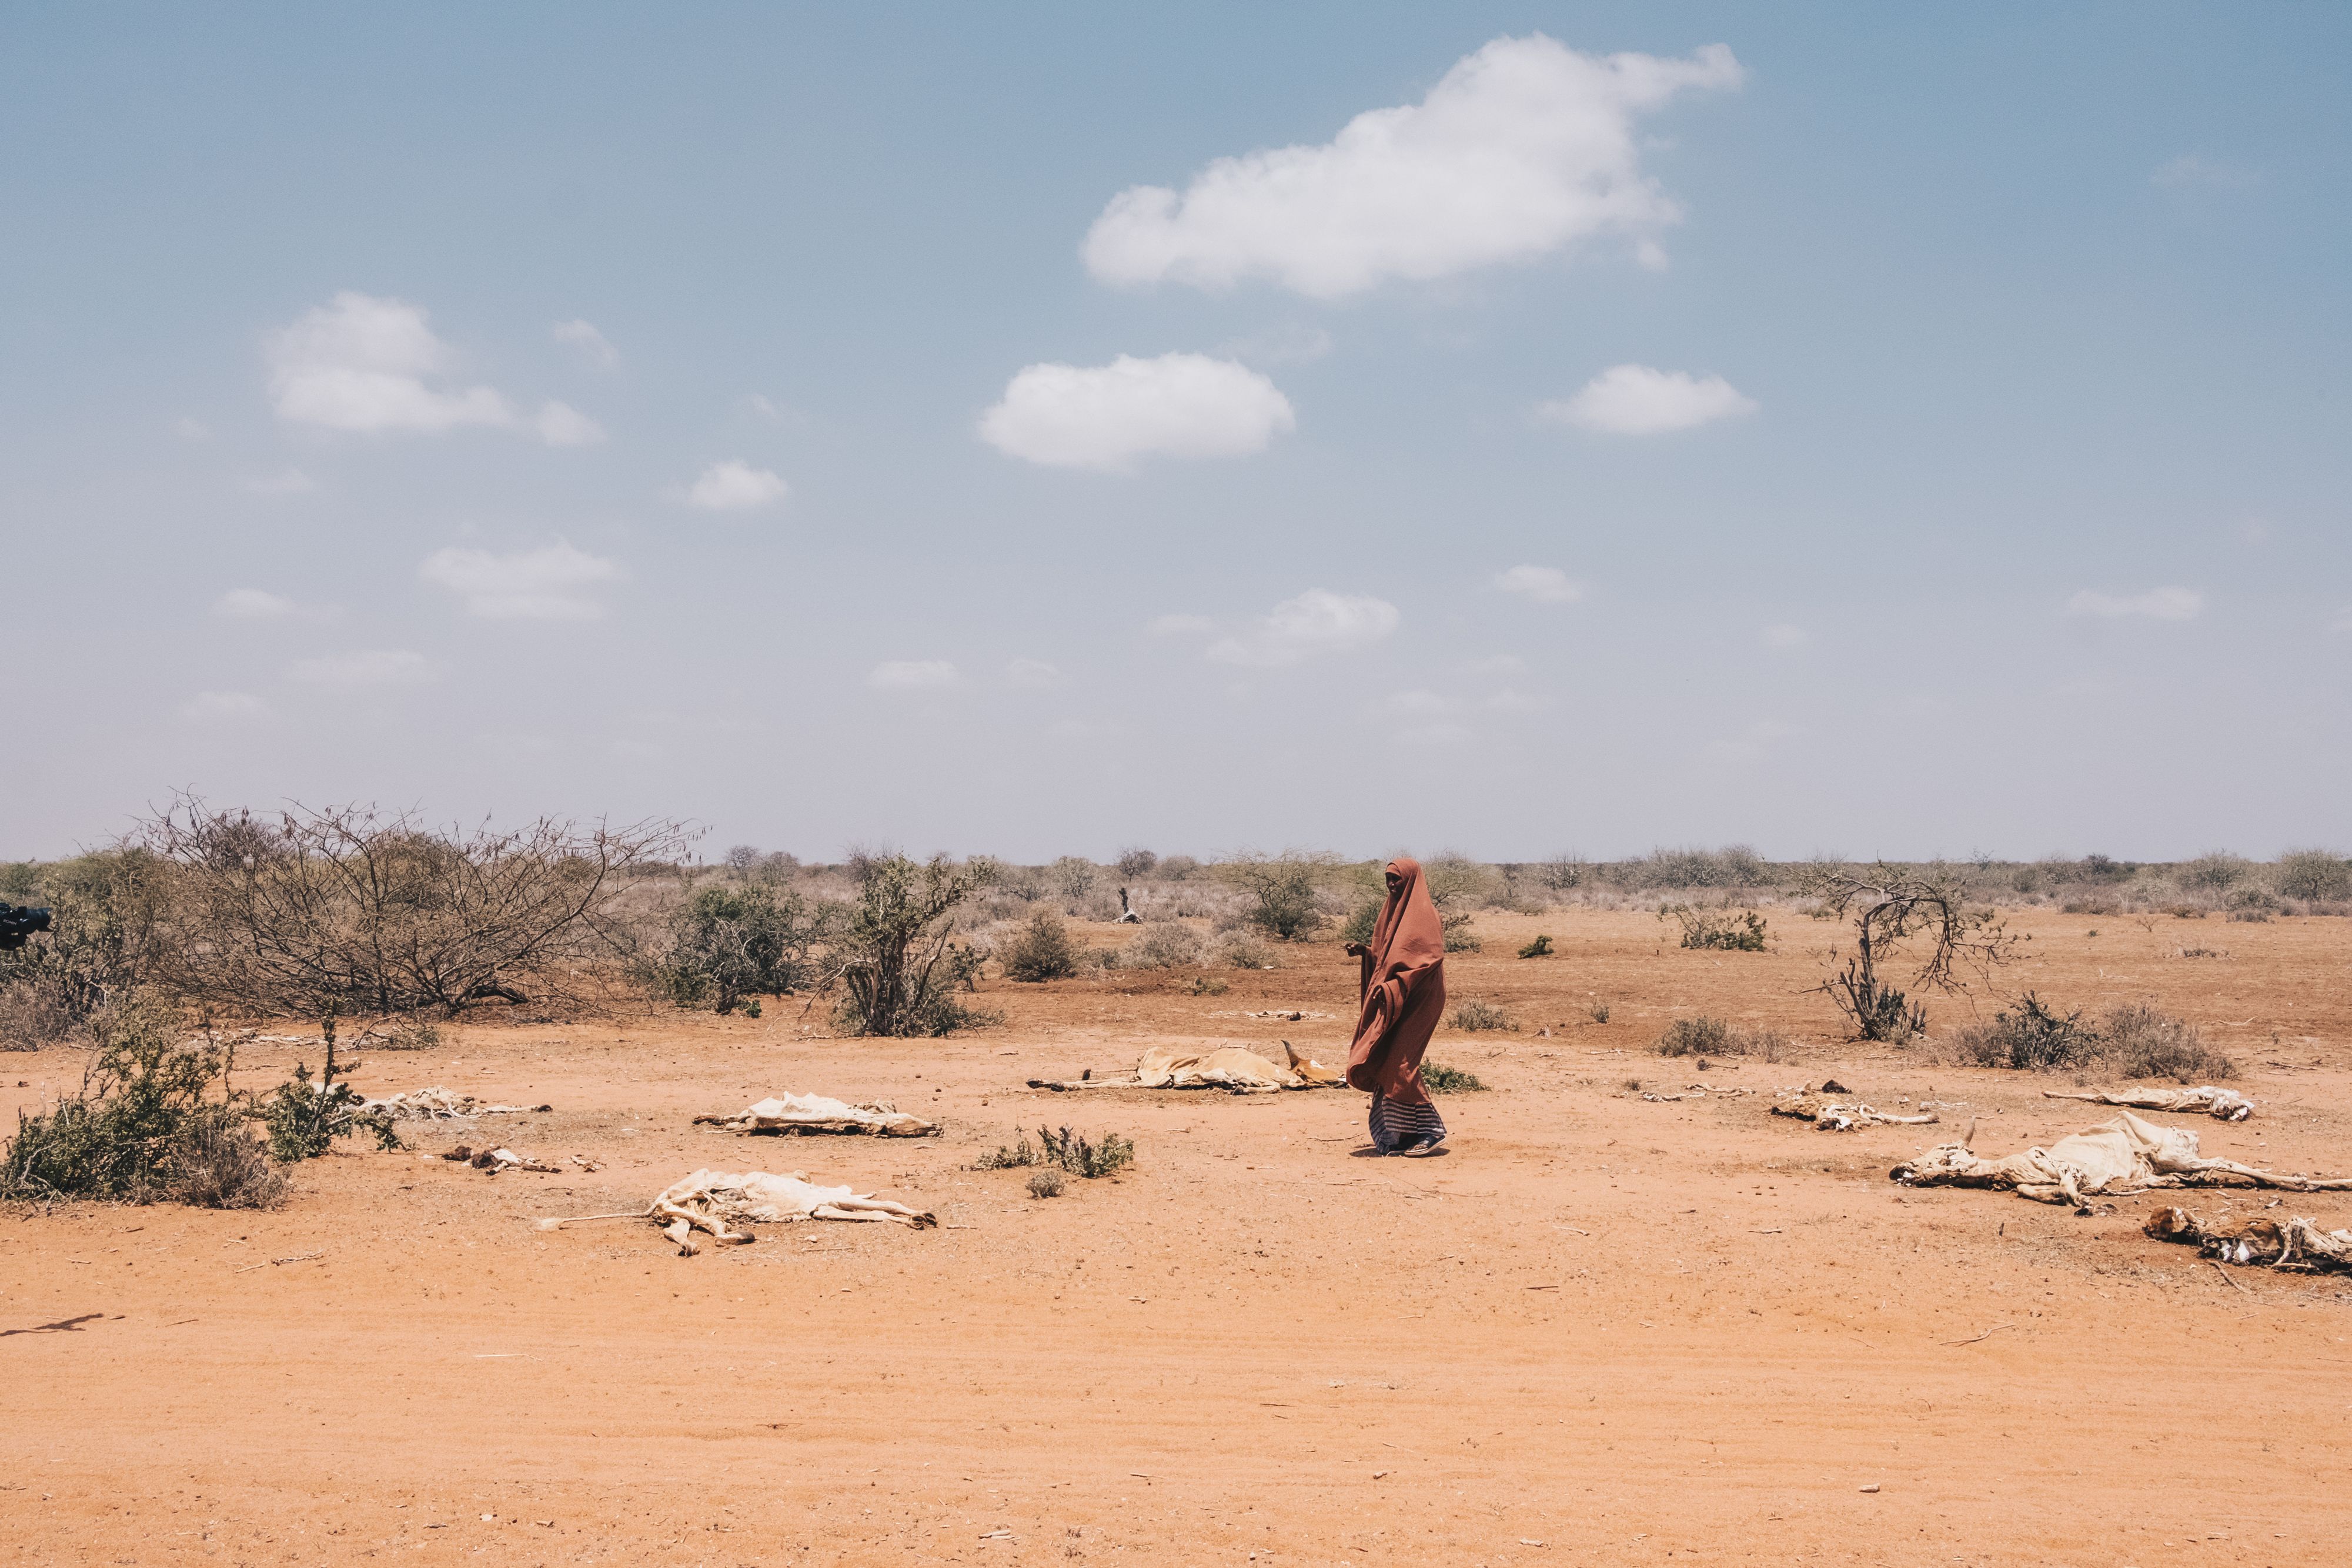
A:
[1472,1016]
[1440,1079]
[2135,1041]
[1043,951]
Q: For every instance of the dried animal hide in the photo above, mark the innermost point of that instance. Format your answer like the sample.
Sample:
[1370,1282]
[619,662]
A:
[438,1105]
[2289,1243]
[1695,1092]
[2125,1154]
[815,1113]
[709,1200]
[2221,1104]
[1842,1116]
[1230,1067]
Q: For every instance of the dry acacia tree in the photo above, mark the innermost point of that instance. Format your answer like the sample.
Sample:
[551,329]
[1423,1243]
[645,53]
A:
[895,955]
[1894,911]
[351,910]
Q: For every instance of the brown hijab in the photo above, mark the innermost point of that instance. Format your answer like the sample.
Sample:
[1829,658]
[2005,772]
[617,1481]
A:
[1402,990]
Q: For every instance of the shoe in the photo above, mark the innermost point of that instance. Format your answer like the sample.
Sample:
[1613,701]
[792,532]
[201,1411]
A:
[1419,1149]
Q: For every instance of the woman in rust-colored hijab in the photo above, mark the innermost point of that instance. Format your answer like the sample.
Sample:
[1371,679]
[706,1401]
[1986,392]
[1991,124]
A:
[1404,996]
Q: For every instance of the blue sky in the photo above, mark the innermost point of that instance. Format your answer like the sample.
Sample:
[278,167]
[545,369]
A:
[1849,429]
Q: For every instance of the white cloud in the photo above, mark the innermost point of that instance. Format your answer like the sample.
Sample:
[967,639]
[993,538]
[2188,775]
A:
[366,364]
[593,346]
[1524,148]
[224,707]
[292,482]
[1635,399]
[914,675]
[1107,416]
[561,424]
[368,667]
[1786,636]
[735,486]
[255,604]
[1033,673]
[1544,584]
[2156,604]
[555,582]
[1317,621]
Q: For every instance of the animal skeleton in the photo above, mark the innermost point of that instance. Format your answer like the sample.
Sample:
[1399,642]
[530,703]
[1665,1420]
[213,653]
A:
[708,1199]
[2293,1243]
[497,1160]
[815,1113]
[1828,1116]
[1234,1067]
[2125,1154]
[438,1105]
[2221,1104]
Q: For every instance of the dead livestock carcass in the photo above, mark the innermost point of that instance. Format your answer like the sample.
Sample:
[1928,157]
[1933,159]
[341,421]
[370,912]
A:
[1828,1116]
[815,1113]
[439,1104]
[2274,1243]
[1230,1067]
[715,1201]
[2221,1104]
[2124,1156]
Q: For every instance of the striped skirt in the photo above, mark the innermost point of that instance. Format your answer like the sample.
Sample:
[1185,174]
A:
[1396,1124]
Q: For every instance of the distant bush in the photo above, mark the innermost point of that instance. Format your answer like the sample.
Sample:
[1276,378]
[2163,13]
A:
[1701,1036]
[1205,985]
[2259,900]
[1179,868]
[730,943]
[897,953]
[1719,929]
[1459,936]
[2030,1039]
[1285,891]
[2217,872]
[2315,874]
[1137,863]
[1600,1012]
[1473,1017]
[2256,917]
[1360,926]
[1565,872]
[110,932]
[1243,950]
[2141,1042]
[1539,949]
[1169,945]
[1072,876]
[1043,951]
[1440,1079]
[1735,865]
[1065,1150]
[1045,1183]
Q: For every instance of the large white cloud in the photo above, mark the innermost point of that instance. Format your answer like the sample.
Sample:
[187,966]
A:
[1635,399]
[371,365]
[555,582]
[1107,416]
[1317,621]
[735,486]
[1523,149]
[2156,604]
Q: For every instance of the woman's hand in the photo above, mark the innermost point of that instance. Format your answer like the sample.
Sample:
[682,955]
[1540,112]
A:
[1356,950]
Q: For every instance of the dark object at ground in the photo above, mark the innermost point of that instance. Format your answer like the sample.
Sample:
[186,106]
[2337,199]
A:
[17,921]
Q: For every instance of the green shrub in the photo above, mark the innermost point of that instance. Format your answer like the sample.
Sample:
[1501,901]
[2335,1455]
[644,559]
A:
[729,943]
[2315,874]
[1539,949]
[1440,1079]
[1701,1036]
[1718,930]
[1020,1154]
[1459,936]
[898,961]
[1065,1150]
[1475,1017]
[304,1119]
[1043,951]
[1285,891]
[1360,926]
[2032,1038]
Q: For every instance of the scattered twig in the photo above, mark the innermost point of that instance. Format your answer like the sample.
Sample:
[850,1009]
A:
[1987,1334]
[2225,1274]
[296,1258]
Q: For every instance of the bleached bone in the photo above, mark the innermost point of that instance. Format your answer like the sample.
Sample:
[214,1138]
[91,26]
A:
[497,1160]
[1842,1116]
[2124,1156]
[1230,1067]
[815,1113]
[2272,1242]
[439,1104]
[2221,1104]
[715,1201]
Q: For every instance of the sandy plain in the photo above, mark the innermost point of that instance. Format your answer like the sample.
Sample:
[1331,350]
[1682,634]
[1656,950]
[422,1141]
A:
[1600,1330]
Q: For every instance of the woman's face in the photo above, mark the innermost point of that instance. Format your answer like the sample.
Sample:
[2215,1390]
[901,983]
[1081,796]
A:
[1396,883]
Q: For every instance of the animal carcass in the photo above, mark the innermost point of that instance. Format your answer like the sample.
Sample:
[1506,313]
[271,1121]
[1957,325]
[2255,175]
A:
[438,1105]
[2125,1154]
[709,1200]
[1230,1067]
[2294,1243]
[1828,1116]
[815,1113]
[2221,1104]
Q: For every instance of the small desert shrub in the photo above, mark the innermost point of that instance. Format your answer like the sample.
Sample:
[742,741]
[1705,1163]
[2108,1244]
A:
[2030,1039]
[1045,1183]
[730,942]
[1718,930]
[1473,1017]
[410,1035]
[2204,953]
[1701,1036]
[1440,1079]
[2216,873]
[215,1163]
[1179,868]
[1021,1153]
[1285,891]
[2252,916]
[1358,927]
[1043,951]
[33,1012]
[1164,946]
[1539,949]
[1134,865]
[898,961]
[1071,1151]
[1072,876]
[1600,1012]
[2141,1042]
[2260,899]
[1205,985]
[1459,936]
[1245,950]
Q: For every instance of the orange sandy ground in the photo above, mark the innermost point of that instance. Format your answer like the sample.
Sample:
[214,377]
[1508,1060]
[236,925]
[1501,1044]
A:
[1600,1331]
